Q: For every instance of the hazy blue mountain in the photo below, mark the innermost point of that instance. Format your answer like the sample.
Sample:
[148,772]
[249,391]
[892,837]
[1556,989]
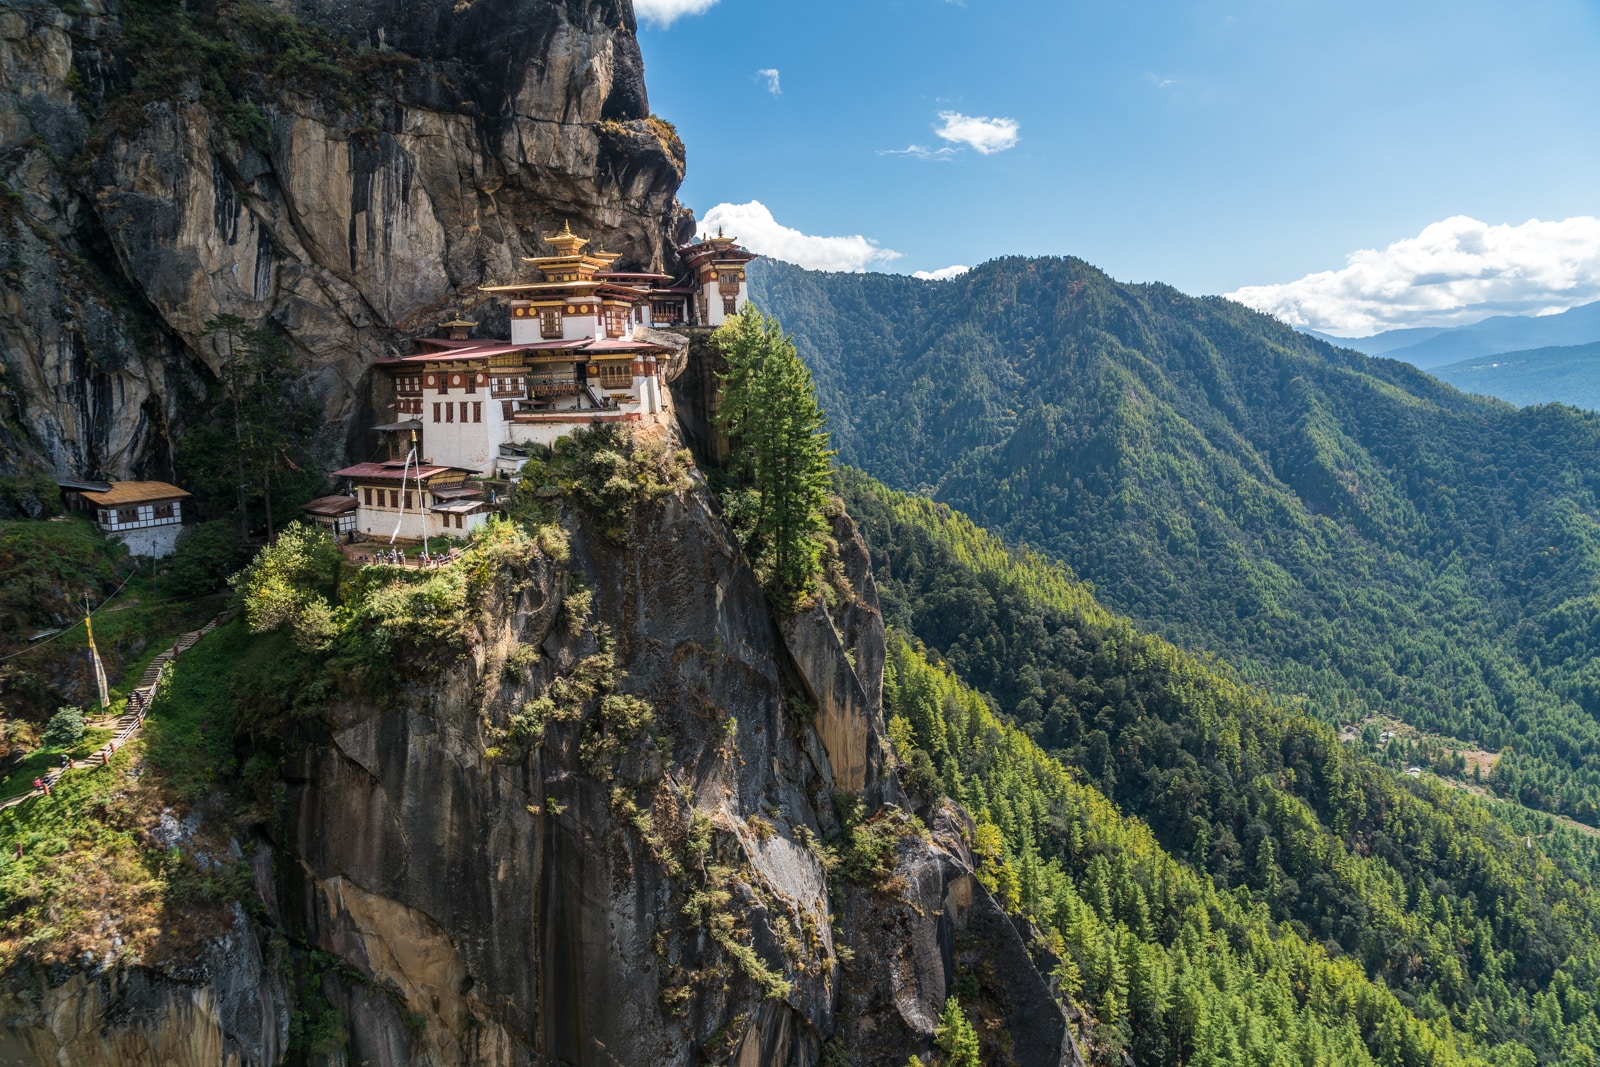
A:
[1380,343]
[1567,374]
[1429,347]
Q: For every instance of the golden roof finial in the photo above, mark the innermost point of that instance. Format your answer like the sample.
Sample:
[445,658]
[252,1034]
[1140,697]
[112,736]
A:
[566,242]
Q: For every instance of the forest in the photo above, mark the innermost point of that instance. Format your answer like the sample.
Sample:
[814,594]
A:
[1222,879]
[1352,536]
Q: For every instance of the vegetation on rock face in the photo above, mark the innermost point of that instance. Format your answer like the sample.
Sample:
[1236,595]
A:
[607,472]
[780,466]
[1340,528]
[1379,907]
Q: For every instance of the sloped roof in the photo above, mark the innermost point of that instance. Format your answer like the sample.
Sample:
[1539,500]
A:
[123,493]
[329,505]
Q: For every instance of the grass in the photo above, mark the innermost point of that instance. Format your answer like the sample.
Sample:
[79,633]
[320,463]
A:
[78,867]
[20,780]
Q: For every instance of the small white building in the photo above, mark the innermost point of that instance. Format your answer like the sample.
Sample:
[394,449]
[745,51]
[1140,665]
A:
[145,516]
[411,502]
[336,514]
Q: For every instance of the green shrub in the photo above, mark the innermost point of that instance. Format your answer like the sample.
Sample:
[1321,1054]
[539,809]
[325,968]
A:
[64,728]
[204,559]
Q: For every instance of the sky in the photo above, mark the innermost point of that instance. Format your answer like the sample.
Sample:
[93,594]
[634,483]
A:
[1346,165]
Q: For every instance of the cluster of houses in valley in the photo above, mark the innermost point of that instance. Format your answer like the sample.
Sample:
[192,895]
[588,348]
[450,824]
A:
[588,343]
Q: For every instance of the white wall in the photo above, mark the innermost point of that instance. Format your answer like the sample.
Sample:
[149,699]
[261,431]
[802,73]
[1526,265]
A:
[156,541]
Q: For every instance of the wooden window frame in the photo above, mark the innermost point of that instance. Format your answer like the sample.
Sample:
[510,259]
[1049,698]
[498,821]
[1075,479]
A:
[550,323]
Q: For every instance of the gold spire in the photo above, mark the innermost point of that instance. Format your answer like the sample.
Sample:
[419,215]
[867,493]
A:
[566,242]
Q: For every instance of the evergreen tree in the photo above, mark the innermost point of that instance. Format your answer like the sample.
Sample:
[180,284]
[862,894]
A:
[251,449]
[770,413]
[956,1037]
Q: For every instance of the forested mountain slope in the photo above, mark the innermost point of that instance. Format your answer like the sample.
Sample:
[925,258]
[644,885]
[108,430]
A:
[1342,528]
[1566,374]
[1309,847]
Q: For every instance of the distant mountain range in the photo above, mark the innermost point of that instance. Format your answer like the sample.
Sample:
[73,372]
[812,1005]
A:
[1431,347]
[1521,358]
[1569,374]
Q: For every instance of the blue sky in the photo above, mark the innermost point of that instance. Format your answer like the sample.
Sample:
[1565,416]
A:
[1212,145]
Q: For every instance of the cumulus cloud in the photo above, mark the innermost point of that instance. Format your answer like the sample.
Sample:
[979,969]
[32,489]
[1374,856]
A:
[982,134]
[1453,273]
[943,274]
[771,74]
[758,231]
[665,12]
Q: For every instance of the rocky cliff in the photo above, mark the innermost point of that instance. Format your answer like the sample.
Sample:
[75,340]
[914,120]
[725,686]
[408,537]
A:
[634,820]
[344,172]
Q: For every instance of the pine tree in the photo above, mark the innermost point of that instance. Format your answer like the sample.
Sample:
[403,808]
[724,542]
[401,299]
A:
[956,1037]
[770,413]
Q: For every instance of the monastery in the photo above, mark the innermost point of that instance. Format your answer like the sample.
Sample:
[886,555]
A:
[580,351]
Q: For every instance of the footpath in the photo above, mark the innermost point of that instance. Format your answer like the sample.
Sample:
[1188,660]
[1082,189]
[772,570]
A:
[127,726]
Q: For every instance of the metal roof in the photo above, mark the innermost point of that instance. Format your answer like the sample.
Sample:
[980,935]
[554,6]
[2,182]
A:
[392,473]
[121,493]
[329,505]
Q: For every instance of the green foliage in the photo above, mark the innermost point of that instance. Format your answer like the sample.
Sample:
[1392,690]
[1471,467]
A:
[603,470]
[955,1037]
[46,569]
[64,728]
[359,622]
[290,585]
[1566,373]
[768,409]
[29,491]
[1339,528]
[85,861]
[1399,885]
[247,454]
[206,556]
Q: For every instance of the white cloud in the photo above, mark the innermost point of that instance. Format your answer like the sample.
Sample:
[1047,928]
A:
[665,12]
[1454,272]
[984,135]
[943,274]
[922,151]
[771,74]
[758,231]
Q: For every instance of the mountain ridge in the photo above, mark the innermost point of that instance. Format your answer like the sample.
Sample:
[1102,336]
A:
[1313,514]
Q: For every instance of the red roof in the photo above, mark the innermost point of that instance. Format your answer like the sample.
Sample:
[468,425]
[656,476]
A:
[391,471]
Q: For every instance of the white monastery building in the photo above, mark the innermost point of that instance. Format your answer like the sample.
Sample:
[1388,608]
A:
[579,353]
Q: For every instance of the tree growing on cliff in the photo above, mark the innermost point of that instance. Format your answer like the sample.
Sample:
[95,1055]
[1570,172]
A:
[770,413]
[249,447]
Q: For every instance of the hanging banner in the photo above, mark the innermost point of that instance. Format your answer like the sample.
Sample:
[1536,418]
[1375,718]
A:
[99,668]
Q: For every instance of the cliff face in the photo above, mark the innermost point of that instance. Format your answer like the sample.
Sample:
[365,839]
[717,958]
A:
[626,825]
[345,171]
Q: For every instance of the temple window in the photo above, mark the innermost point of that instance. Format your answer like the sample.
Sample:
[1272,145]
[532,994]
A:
[616,320]
[477,411]
[550,322]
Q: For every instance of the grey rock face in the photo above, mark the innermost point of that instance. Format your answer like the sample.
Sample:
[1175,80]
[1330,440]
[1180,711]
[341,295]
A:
[227,1006]
[359,219]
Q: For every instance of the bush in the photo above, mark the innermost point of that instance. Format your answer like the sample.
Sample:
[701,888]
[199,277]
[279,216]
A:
[64,728]
[203,561]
